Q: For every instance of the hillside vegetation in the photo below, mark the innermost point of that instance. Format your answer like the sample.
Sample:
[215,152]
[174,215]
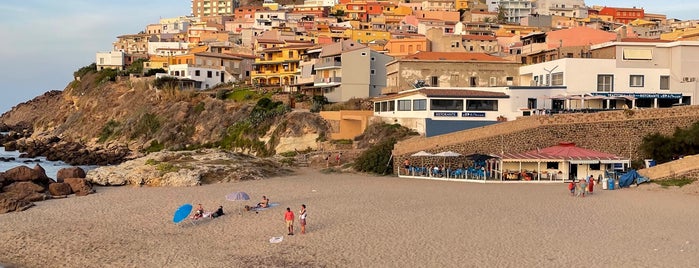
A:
[100,108]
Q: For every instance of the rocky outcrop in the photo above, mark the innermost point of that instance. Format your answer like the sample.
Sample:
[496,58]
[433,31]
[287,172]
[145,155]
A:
[72,153]
[9,204]
[79,186]
[187,168]
[72,172]
[24,191]
[60,189]
[24,173]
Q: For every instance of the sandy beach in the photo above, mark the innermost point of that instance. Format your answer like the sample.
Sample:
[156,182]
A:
[357,220]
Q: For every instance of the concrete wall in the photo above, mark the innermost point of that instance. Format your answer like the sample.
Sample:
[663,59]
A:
[615,132]
[685,167]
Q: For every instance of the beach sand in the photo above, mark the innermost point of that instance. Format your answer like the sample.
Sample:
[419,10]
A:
[357,220]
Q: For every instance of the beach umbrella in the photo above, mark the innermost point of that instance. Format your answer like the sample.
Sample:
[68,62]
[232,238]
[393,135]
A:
[422,153]
[238,196]
[182,213]
[447,154]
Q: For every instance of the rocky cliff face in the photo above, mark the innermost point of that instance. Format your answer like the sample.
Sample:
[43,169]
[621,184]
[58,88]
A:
[130,114]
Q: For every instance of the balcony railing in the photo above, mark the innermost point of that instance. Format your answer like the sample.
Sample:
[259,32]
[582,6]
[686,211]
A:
[327,65]
[327,80]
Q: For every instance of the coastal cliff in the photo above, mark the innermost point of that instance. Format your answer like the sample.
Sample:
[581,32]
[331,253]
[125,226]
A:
[129,117]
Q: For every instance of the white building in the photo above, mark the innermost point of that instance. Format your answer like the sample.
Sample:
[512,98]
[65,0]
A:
[268,19]
[324,3]
[110,60]
[177,24]
[167,48]
[515,10]
[564,8]
[644,75]
[434,111]
[205,77]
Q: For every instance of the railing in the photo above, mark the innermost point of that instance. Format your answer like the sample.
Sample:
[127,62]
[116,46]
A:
[327,80]
[324,65]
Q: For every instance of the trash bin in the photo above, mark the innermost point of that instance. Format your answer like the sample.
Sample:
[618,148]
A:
[605,186]
[611,184]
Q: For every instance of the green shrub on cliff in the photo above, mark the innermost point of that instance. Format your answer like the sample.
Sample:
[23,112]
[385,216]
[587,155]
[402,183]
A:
[245,134]
[85,70]
[377,158]
[109,130]
[147,125]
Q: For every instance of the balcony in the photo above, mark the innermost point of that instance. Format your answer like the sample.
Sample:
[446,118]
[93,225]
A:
[321,65]
[327,80]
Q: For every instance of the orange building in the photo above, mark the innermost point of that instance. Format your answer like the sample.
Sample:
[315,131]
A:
[246,12]
[406,46]
[622,14]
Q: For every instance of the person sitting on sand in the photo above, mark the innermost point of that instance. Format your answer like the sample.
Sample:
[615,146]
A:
[199,212]
[264,203]
[218,212]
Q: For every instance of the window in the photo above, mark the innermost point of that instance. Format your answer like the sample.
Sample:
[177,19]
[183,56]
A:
[373,72]
[391,106]
[434,81]
[363,53]
[637,54]
[377,107]
[531,103]
[404,105]
[291,54]
[665,82]
[446,105]
[493,81]
[636,81]
[481,105]
[419,105]
[473,81]
[605,82]
[197,73]
[208,74]
[551,165]
[557,79]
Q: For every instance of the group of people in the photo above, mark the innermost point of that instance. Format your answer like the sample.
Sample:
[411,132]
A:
[201,213]
[582,187]
[328,159]
[289,219]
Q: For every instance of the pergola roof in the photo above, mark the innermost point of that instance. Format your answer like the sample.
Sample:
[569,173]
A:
[563,151]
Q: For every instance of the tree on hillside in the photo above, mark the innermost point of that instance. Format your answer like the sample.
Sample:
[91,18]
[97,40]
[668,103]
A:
[502,14]
[663,148]
[136,67]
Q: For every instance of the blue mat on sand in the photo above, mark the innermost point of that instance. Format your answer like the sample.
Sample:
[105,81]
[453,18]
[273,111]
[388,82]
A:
[271,205]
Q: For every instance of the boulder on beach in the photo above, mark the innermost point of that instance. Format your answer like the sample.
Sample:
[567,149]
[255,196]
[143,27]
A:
[24,173]
[9,204]
[25,191]
[60,189]
[71,172]
[79,186]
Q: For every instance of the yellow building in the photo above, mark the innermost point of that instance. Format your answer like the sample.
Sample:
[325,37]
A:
[278,66]
[460,4]
[689,34]
[509,30]
[366,36]
[350,123]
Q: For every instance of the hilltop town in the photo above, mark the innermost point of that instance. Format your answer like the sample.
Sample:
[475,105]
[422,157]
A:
[473,63]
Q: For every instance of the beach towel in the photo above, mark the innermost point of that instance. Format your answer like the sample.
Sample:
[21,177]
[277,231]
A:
[276,239]
[271,205]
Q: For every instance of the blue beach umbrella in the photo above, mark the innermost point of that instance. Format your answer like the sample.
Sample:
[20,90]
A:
[182,213]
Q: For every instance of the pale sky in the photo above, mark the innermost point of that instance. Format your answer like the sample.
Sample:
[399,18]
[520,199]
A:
[44,41]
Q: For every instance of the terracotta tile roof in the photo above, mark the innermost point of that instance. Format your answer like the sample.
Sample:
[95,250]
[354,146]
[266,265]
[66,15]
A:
[452,56]
[217,55]
[272,41]
[478,37]
[564,150]
[248,56]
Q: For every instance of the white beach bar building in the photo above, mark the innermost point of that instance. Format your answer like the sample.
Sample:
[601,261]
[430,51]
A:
[439,110]
[631,74]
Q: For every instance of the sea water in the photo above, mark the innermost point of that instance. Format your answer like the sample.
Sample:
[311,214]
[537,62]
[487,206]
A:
[51,167]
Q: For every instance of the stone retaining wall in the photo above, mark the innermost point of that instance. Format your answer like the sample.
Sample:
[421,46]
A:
[615,132]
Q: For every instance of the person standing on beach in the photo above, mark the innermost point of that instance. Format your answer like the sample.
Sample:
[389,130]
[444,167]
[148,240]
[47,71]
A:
[302,218]
[339,158]
[327,160]
[289,219]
